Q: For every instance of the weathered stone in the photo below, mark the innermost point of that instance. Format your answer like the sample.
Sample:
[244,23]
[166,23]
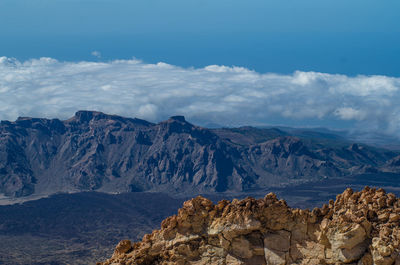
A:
[241,247]
[348,243]
[359,228]
[277,240]
[123,247]
[232,260]
[275,257]
[366,260]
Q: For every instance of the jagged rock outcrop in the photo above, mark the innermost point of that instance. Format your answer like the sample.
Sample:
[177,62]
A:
[358,228]
[109,153]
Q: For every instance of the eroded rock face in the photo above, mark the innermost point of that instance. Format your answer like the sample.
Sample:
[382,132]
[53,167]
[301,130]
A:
[358,228]
[108,153]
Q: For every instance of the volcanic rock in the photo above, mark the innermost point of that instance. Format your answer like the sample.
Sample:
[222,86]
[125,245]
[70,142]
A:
[349,230]
[109,153]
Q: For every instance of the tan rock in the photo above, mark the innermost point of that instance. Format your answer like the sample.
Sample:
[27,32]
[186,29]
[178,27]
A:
[123,247]
[233,261]
[275,257]
[394,217]
[348,243]
[366,260]
[241,247]
[359,228]
[277,240]
[309,250]
[347,236]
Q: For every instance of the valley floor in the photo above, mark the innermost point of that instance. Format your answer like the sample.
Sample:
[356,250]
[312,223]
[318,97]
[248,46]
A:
[83,228]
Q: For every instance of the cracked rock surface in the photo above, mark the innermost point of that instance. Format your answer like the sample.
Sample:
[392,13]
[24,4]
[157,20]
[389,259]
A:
[358,228]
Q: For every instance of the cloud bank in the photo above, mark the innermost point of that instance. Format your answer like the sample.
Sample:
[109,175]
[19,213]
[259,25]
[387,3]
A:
[214,94]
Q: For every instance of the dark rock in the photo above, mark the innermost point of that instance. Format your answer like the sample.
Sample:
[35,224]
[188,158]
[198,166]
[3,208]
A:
[97,151]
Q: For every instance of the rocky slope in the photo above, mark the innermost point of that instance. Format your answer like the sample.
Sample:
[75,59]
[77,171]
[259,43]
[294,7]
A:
[96,151]
[358,228]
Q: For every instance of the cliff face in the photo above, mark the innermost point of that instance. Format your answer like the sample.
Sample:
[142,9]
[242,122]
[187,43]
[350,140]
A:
[96,151]
[358,228]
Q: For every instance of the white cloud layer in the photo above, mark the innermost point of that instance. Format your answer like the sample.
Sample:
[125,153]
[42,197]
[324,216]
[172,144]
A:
[215,94]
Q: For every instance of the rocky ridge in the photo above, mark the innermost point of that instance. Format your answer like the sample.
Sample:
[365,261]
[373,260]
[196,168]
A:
[358,228]
[109,153]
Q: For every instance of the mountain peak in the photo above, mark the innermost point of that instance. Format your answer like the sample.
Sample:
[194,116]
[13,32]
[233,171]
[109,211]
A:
[178,118]
[176,124]
[87,115]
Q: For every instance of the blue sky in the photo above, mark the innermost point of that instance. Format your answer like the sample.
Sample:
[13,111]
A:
[331,63]
[282,36]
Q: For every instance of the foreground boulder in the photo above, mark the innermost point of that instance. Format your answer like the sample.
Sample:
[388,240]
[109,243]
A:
[358,228]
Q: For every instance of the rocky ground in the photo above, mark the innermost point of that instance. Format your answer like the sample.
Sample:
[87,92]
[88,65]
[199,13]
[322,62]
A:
[358,228]
[78,228]
[82,228]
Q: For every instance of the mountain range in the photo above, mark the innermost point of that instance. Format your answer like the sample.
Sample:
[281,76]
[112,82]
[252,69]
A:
[106,177]
[93,151]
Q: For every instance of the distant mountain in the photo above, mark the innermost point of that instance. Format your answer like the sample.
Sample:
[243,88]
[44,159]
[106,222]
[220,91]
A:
[96,151]
[375,138]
